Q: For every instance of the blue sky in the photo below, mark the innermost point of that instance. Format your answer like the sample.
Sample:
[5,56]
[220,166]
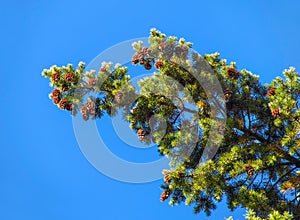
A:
[44,175]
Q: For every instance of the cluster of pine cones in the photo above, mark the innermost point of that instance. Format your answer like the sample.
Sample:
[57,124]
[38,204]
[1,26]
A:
[56,94]
[142,57]
[62,103]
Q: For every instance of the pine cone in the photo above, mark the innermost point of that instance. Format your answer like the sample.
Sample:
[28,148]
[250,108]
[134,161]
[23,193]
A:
[119,96]
[85,117]
[165,195]
[167,179]
[92,82]
[56,93]
[141,134]
[147,66]
[63,104]
[84,112]
[55,77]
[227,94]
[249,170]
[56,100]
[135,58]
[64,87]
[233,73]
[90,106]
[159,65]
[139,56]
[134,110]
[276,112]
[69,77]
[271,92]
[70,107]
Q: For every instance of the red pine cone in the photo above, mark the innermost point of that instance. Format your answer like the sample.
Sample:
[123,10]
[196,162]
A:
[63,104]
[165,195]
[56,93]
[55,77]
[69,77]
[233,73]
[159,65]
[141,134]
[56,100]
[64,87]
[271,92]
[147,66]
[276,112]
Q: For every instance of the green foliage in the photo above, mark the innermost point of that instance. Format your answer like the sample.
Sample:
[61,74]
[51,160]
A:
[256,164]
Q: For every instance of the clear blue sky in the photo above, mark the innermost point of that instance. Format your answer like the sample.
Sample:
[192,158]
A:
[43,174]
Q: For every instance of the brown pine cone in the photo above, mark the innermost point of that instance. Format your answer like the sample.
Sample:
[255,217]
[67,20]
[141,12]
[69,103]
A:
[70,107]
[84,112]
[119,96]
[56,100]
[90,106]
[85,117]
[139,56]
[276,112]
[227,94]
[134,110]
[159,65]
[147,66]
[165,195]
[249,170]
[167,179]
[233,73]
[92,82]
[69,77]
[135,58]
[55,77]
[141,134]
[271,92]
[64,87]
[63,104]
[56,93]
